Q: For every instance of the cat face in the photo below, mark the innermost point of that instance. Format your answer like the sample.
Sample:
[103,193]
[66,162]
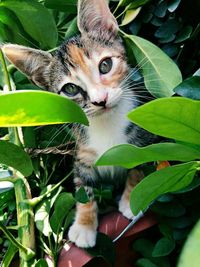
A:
[88,68]
[94,71]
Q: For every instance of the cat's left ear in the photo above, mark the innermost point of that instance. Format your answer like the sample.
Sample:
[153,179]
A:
[32,62]
[94,17]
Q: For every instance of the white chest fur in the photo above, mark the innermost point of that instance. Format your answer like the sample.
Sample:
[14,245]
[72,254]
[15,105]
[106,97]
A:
[108,129]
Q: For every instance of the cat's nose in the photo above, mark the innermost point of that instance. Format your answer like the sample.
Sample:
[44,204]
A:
[100,100]
[101,104]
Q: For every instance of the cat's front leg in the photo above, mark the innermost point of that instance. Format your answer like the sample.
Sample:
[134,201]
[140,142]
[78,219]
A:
[84,229]
[134,177]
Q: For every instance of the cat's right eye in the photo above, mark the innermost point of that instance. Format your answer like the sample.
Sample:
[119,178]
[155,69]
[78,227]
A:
[70,89]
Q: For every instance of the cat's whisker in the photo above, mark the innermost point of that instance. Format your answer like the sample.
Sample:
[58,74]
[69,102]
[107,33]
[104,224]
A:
[140,90]
[138,96]
[59,131]
[135,99]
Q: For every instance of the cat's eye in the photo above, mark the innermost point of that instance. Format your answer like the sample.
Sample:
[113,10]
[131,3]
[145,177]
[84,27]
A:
[70,89]
[105,65]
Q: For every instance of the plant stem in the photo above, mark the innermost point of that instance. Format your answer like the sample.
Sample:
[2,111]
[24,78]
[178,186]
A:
[8,179]
[25,215]
[13,240]
[34,201]
[25,220]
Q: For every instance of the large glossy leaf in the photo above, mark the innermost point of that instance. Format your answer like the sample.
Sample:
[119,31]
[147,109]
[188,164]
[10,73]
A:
[8,18]
[36,20]
[29,108]
[175,117]
[160,73]
[4,36]
[15,157]
[189,88]
[190,254]
[134,156]
[69,6]
[63,205]
[166,180]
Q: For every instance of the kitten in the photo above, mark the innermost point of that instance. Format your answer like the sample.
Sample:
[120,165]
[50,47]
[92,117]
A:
[91,69]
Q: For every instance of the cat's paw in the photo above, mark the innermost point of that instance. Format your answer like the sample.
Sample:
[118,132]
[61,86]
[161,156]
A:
[124,208]
[82,235]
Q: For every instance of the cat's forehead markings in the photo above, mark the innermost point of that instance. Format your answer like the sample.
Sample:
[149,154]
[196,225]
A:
[78,57]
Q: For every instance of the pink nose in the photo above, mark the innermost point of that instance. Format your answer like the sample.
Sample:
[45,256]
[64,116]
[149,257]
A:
[101,101]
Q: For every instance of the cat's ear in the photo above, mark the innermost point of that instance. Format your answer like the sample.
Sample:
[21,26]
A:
[94,17]
[32,62]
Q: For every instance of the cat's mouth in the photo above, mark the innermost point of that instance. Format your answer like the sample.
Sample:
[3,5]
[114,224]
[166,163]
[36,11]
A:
[101,111]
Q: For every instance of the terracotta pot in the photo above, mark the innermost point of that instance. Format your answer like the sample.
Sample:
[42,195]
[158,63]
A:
[111,224]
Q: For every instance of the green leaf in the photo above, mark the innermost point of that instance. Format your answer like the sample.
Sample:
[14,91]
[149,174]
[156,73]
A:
[181,222]
[143,246]
[67,6]
[41,27]
[130,16]
[167,29]
[160,73]
[63,205]
[72,30]
[173,4]
[137,3]
[15,157]
[145,263]
[166,180]
[165,198]
[166,230]
[171,209]
[9,255]
[190,254]
[184,34]
[41,263]
[81,195]
[5,35]
[163,247]
[134,156]
[175,117]
[189,88]
[132,4]
[8,18]
[104,248]
[31,108]
[197,73]
[43,210]
[69,219]
[42,217]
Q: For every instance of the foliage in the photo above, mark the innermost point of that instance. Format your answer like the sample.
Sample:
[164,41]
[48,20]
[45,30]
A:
[165,25]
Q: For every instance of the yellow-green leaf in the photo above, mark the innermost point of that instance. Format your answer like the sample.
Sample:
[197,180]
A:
[30,108]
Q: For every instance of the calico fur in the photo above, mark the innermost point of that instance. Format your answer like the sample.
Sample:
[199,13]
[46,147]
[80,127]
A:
[77,61]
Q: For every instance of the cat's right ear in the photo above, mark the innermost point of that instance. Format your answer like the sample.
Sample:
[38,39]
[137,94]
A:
[95,18]
[32,62]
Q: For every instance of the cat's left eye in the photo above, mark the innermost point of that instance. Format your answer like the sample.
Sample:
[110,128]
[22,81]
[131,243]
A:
[105,65]
[70,89]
